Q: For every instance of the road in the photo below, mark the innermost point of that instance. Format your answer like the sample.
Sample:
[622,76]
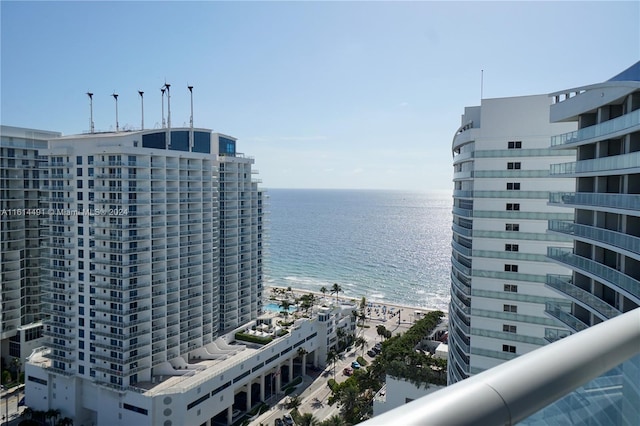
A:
[9,404]
[314,392]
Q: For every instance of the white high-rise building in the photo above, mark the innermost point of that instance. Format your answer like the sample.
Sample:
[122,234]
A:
[604,258]
[241,236]
[20,240]
[501,160]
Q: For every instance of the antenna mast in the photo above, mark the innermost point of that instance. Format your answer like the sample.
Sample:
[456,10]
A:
[91,128]
[140,92]
[163,123]
[481,84]
[191,118]
[167,86]
[115,96]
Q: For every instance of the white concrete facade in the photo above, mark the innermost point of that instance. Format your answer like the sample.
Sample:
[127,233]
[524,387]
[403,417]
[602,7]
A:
[20,240]
[397,392]
[604,258]
[501,190]
[207,392]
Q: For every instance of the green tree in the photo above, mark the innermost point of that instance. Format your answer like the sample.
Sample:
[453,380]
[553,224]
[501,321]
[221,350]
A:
[6,377]
[307,419]
[361,343]
[294,402]
[334,420]
[16,364]
[336,289]
[52,415]
[333,358]
[323,290]
[285,305]
[381,330]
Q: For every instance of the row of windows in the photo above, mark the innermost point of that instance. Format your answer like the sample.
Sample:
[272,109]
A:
[511,247]
[513,206]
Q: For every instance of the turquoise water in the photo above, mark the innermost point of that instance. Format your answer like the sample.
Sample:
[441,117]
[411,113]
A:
[388,246]
[274,307]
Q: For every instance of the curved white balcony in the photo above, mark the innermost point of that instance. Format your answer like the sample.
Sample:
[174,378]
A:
[611,277]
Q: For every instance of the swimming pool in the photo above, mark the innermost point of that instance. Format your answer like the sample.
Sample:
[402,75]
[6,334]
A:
[274,307]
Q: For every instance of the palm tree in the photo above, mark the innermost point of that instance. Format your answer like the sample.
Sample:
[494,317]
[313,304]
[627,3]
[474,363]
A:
[382,330]
[285,305]
[334,420]
[361,343]
[65,421]
[294,402]
[16,363]
[332,358]
[52,415]
[323,290]
[307,419]
[336,289]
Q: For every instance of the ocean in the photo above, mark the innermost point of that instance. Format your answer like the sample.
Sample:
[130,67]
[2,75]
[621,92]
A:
[389,246]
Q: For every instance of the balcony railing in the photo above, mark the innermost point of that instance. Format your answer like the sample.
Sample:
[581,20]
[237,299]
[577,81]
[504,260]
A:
[619,240]
[592,199]
[610,127]
[608,276]
[602,166]
[513,391]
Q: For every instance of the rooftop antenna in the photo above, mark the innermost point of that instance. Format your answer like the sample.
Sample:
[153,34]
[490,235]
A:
[115,96]
[191,118]
[140,92]
[163,123]
[91,128]
[167,86]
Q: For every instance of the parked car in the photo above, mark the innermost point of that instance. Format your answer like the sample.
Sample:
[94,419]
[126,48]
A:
[21,402]
[287,420]
[355,365]
[372,353]
[279,422]
[347,371]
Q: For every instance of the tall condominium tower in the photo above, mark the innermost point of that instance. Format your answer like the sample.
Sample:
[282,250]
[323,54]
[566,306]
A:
[20,240]
[241,237]
[501,160]
[153,278]
[605,257]
[132,277]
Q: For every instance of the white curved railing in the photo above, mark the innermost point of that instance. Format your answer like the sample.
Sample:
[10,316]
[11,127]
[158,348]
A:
[515,390]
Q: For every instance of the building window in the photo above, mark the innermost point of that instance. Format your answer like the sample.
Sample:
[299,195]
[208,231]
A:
[79,171]
[509,348]
[509,328]
[511,247]
[511,288]
[79,160]
[512,227]
[514,144]
[514,165]
[510,206]
[90,159]
[513,186]
[511,268]
[510,308]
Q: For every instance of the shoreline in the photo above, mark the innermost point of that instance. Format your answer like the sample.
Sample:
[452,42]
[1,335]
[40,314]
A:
[407,310]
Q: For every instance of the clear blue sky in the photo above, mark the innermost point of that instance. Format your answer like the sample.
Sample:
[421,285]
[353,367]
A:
[323,94]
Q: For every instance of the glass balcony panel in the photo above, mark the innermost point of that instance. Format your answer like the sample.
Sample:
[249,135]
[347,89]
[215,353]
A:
[616,201]
[564,285]
[626,242]
[624,123]
[612,165]
[608,276]
[562,312]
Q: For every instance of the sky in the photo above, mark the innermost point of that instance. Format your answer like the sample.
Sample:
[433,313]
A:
[323,94]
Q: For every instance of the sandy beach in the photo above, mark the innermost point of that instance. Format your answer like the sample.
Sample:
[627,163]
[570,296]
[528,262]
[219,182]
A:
[376,310]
